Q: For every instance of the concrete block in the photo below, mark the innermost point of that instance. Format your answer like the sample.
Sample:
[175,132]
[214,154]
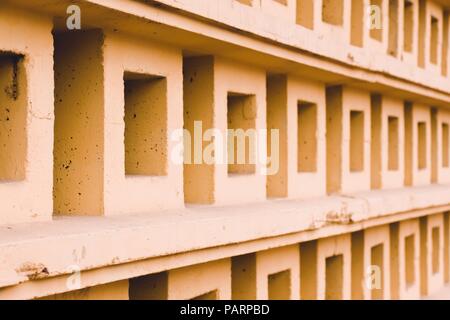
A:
[296,107]
[267,275]
[334,268]
[348,139]
[387,152]
[409,263]
[26,116]
[432,253]
[443,146]
[235,99]
[417,145]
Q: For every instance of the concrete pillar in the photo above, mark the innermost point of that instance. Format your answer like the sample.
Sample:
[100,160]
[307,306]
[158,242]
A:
[26,116]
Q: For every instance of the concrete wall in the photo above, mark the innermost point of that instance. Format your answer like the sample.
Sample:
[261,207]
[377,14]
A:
[91,125]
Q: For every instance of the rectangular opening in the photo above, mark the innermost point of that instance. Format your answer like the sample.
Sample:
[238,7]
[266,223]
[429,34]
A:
[377,263]
[356,141]
[434,40]
[283,2]
[333,12]
[243,277]
[376,23]
[445,147]
[13,117]
[408,26]
[357,23]
[307,140]
[212,295]
[334,277]
[393,28]
[436,248]
[393,147]
[79,123]
[241,115]
[280,285]
[308,273]
[145,125]
[149,287]
[410,275]
[422,145]
[305,13]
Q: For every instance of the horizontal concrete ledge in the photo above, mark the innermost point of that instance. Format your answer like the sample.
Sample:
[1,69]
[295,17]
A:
[48,249]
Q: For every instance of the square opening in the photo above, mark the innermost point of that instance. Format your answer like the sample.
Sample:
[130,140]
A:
[410,276]
[434,40]
[334,277]
[241,134]
[377,261]
[307,140]
[445,149]
[13,116]
[145,125]
[436,248]
[393,147]
[356,141]
[422,145]
[212,295]
[280,285]
[408,26]
[376,17]
[333,12]
[305,13]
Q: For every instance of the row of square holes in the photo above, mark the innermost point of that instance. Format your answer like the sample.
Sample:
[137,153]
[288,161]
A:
[333,12]
[145,153]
